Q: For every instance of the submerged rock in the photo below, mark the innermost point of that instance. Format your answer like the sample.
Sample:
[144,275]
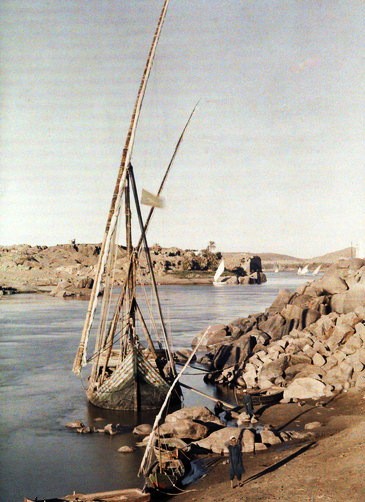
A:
[126,449]
[75,425]
[113,429]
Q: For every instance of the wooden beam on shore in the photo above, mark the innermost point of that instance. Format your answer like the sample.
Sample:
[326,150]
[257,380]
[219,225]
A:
[230,406]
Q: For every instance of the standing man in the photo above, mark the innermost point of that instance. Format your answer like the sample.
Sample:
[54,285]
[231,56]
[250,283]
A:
[235,460]
[247,401]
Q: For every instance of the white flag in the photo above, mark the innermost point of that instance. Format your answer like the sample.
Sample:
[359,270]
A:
[149,199]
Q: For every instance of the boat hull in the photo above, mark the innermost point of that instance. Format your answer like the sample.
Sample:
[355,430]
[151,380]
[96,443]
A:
[134,385]
[171,474]
[219,284]
[259,398]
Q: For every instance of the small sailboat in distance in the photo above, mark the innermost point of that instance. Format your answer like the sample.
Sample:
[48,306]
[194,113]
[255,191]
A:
[303,271]
[315,272]
[219,272]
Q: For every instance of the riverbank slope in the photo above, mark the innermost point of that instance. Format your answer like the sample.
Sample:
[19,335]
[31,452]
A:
[329,468]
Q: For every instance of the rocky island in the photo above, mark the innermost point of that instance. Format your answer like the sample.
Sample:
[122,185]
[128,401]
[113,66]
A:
[67,270]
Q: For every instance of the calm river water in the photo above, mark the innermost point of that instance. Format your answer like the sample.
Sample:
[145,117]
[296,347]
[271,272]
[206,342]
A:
[39,394]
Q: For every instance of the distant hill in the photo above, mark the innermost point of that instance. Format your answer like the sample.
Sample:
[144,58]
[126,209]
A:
[268,257]
[283,261]
[334,256]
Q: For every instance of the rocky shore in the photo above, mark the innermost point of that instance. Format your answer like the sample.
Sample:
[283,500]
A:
[67,270]
[327,465]
[309,343]
[308,350]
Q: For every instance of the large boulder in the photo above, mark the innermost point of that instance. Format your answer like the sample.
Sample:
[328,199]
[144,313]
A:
[142,430]
[280,301]
[217,442]
[323,327]
[256,278]
[305,388]
[243,347]
[251,264]
[198,413]
[274,369]
[350,300]
[232,355]
[184,429]
[214,335]
[331,284]
[273,326]
[269,437]
[340,334]
[304,370]
[244,324]
[248,441]
[249,376]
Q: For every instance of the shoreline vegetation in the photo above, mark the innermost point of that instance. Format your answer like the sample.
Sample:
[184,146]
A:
[67,270]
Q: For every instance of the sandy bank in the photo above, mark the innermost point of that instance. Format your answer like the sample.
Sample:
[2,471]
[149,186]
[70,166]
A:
[330,468]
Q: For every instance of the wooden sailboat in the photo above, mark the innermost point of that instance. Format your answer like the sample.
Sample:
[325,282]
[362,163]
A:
[127,376]
[303,271]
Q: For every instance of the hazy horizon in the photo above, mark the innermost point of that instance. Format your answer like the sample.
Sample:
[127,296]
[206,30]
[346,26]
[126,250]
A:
[272,159]
[250,252]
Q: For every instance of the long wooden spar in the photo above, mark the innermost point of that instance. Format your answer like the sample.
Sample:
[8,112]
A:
[159,415]
[150,214]
[80,358]
[138,249]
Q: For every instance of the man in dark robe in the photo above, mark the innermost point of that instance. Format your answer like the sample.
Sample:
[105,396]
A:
[235,460]
[247,402]
[218,408]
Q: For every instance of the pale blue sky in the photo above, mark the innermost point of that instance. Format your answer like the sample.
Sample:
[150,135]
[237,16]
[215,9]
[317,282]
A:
[271,162]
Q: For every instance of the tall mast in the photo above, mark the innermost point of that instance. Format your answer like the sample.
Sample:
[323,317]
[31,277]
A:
[107,340]
[80,358]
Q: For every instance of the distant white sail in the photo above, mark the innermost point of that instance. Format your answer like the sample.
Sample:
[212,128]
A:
[219,271]
[276,270]
[315,272]
[300,272]
[305,270]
